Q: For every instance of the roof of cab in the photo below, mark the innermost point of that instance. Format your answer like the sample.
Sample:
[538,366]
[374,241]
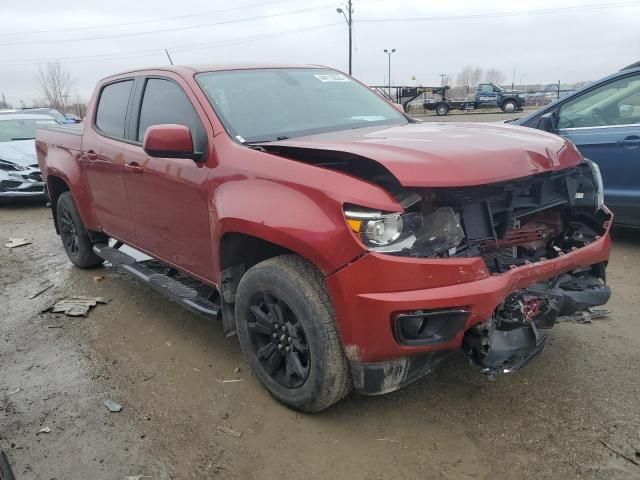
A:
[200,68]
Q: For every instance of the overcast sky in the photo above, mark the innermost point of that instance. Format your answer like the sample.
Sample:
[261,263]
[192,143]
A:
[552,41]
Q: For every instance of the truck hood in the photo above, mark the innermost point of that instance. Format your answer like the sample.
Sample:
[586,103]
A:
[19,152]
[445,154]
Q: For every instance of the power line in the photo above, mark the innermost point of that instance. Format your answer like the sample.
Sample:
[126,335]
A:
[139,22]
[548,11]
[159,51]
[164,30]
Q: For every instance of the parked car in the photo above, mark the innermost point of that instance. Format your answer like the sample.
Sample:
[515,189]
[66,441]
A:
[603,120]
[347,245]
[19,172]
[51,112]
[73,117]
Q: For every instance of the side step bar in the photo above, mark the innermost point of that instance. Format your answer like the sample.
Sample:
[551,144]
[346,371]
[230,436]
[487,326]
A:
[164,284]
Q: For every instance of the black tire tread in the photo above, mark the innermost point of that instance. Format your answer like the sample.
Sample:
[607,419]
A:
[310,281]
[87,257]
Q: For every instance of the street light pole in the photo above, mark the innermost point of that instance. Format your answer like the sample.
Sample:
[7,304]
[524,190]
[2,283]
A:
[349,20]
[389,52]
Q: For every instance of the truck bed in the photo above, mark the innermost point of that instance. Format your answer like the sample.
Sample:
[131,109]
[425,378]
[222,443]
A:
[65,136]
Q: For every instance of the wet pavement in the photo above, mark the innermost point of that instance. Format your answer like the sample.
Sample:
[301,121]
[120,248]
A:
[177,379]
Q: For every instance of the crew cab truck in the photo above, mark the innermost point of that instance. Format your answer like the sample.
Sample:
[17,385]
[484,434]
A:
[348,245]
[488,95]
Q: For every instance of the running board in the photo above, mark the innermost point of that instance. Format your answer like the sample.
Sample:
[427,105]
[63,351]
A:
[164,284]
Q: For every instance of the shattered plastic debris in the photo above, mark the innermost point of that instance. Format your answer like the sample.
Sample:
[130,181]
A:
[14,392]
[586,316]
[114,407]
[44,430]
[228,431]
[17,242]
[75,306]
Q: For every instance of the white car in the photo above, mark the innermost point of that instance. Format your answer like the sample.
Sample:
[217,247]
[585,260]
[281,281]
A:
[19,172]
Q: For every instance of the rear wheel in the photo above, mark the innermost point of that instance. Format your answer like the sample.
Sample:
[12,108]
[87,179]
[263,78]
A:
[442,109]
[285,323]
[73,233]
[509,106]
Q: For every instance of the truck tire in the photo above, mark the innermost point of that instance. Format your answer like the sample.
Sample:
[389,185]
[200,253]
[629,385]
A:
[509,106]
[286,327]
[73,233]
[442,109]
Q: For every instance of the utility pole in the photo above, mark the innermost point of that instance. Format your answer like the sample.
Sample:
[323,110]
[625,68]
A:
[442,77]
[389,52]
[513,82]
[168,56]
[349,19]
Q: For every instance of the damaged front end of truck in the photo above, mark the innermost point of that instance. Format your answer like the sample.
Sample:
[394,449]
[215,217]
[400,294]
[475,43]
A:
[514,224]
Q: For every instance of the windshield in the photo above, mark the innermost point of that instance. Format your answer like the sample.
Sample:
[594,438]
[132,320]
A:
[12,130]
[274,104]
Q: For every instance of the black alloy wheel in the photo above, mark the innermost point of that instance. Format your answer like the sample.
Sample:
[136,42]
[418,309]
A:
[278,340]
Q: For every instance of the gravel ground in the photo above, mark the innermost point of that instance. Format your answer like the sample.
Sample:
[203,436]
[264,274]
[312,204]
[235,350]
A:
[559,418]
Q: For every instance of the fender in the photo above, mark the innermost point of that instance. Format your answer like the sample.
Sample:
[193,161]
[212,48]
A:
[63,163]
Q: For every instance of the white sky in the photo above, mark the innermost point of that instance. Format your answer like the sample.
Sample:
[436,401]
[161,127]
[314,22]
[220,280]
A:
[581,44]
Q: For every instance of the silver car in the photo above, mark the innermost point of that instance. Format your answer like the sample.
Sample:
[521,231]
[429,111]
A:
[19,172]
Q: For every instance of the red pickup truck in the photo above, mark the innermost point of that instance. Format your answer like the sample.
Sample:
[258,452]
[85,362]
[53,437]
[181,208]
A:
[348,245]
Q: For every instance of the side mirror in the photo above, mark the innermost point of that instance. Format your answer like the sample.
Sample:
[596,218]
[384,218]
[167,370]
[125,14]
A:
[169,141]
[547,122]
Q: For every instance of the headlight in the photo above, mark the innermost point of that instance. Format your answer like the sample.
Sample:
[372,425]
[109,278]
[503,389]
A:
[412,233]
[521,95]
[597,177]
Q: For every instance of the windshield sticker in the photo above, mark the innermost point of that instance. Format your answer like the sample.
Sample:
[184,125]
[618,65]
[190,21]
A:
[240,138]
[332,78]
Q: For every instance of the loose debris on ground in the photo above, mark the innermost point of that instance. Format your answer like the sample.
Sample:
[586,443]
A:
[40,290]
[75,306]
[228,431]
[17,242]
[586,316]
[113,407]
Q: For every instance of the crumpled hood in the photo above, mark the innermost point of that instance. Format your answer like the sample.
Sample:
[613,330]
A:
[19,152]
[449,154]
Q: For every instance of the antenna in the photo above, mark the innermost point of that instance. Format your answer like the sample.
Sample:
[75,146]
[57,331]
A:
[168,56]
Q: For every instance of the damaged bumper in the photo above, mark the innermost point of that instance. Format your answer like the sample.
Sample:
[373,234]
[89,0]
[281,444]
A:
[24,182]
[399,317]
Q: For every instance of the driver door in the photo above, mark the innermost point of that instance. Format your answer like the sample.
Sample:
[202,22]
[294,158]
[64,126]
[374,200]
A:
[604,123]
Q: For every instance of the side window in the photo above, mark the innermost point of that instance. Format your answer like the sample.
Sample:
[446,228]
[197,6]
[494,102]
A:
[609,104]
[165,102]
[112,108]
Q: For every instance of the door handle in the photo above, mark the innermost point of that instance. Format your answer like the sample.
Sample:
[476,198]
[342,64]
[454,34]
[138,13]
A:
[91,155]
[630,142]
[133,167]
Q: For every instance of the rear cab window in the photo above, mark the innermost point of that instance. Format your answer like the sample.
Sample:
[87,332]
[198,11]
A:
[111,113]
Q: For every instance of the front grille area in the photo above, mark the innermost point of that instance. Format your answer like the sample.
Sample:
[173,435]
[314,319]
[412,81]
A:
[513,223]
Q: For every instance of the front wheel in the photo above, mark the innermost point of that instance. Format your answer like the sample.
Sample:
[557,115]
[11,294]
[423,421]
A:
[509,106]
[74,235]
[286,327]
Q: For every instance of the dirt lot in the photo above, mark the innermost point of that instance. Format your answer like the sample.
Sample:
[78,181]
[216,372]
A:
[168,368]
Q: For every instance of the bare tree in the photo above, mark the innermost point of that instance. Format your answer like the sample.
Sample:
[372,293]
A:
[493,75]
[55,83]
[469,76]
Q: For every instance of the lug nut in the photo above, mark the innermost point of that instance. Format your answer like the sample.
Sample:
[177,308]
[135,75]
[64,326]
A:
[279,346]
[289,339]
[286,349]
[283,328]
[274,335]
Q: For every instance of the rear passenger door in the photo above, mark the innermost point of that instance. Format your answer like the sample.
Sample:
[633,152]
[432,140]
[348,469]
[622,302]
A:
[103,162]
[168,197]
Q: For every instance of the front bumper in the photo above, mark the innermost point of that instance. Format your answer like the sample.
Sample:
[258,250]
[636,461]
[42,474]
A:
[370,292]
[25,183]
